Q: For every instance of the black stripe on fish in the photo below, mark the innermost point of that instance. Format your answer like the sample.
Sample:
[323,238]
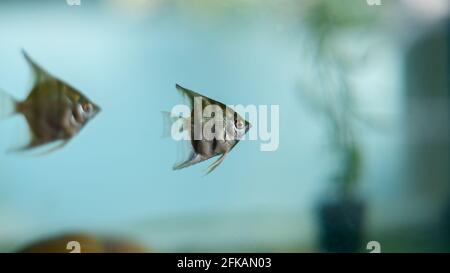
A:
[214,144]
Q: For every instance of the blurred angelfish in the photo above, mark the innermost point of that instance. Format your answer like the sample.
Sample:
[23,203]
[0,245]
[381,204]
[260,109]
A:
[54,110]
[227,129]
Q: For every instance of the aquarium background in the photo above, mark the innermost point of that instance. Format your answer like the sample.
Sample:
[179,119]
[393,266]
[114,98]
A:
[116,176]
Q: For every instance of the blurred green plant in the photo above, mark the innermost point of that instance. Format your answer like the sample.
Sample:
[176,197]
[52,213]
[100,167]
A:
[330,91]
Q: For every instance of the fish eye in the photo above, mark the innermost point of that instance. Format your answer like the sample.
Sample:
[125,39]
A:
[239,124]
[87,107]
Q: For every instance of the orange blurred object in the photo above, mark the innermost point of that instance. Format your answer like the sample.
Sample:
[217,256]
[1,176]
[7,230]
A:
[83,243]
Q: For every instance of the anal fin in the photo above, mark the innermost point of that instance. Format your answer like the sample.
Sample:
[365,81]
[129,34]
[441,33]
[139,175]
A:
[193,159]
[48,146]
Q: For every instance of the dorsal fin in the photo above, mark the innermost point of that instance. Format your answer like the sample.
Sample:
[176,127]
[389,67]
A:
[40,74]
[192,94]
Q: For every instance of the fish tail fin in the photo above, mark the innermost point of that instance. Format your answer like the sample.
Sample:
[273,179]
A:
[171,123]
[168,121]
[8,105]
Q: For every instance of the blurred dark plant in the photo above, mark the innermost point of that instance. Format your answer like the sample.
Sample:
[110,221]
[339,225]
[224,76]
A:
[333,28]
[326,86]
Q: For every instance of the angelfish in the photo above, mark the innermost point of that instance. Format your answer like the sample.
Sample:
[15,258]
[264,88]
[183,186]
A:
[54,110]
[227,133]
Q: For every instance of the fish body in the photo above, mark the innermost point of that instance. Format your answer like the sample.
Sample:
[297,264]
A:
[226,130]
[54,110]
